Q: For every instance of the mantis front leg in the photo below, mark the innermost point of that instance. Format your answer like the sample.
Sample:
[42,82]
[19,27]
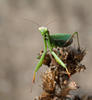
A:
[38,65]
[59,61]
[41,61]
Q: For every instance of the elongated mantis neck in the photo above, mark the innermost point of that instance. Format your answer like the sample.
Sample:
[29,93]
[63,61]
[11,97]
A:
[45,44]
[48,42]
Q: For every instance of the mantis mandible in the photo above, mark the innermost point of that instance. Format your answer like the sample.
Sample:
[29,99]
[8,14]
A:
[55,40]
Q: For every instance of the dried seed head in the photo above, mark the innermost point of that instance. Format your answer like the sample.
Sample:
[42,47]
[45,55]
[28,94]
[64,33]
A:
[56,83]
[72,85]
[48,81]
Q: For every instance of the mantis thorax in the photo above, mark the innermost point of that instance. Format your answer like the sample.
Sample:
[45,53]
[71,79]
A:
[44,32]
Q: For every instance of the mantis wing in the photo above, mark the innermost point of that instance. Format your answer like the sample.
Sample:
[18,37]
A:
[60,39]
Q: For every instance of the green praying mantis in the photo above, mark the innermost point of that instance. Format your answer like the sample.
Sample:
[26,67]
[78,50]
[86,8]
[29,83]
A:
[53,41]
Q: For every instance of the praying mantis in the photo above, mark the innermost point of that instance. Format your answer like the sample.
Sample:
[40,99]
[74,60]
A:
[53,41]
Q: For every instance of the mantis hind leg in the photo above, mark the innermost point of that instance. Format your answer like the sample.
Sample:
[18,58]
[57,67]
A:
[59,61]
[76,33]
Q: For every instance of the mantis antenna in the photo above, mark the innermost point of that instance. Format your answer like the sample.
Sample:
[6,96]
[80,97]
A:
[51,22]
[39,25]
[34,22]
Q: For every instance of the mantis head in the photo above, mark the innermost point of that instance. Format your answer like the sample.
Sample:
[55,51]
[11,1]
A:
[43,30]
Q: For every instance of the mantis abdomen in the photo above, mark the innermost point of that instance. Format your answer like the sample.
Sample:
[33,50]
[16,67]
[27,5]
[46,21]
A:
[60,39]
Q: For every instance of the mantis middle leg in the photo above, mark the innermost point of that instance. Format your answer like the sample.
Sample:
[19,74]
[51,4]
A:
[59,61]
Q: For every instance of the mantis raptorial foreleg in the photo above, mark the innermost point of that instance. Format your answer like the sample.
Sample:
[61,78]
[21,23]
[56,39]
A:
[39,65]
[41,61]
[59,61]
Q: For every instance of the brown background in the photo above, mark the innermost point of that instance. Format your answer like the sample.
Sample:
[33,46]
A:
[20,42]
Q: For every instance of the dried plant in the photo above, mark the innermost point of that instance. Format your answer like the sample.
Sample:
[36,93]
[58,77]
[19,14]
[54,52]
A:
[55,81]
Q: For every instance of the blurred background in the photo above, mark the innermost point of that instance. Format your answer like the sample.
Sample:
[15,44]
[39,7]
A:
[20,42]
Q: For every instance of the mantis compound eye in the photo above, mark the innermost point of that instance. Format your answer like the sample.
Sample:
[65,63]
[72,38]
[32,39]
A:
[43,30]
[45,35]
